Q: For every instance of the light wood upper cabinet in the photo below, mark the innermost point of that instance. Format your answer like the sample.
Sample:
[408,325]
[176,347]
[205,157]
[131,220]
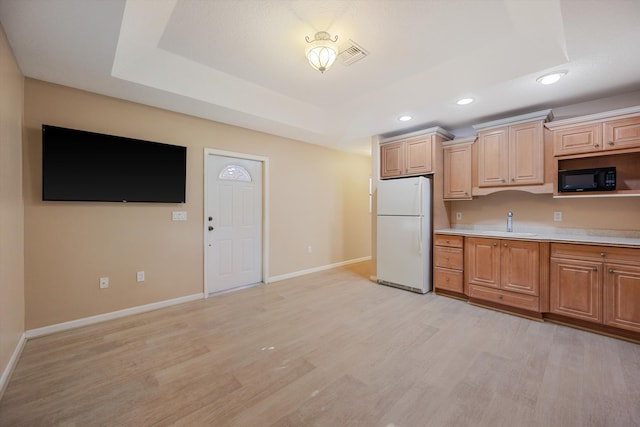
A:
[419,156]
[411,155]
[392,159]
[493,157]
[406,158]
[578,139]
[595,134]
[457,171]
[619,134]
[526,154]
[511,155]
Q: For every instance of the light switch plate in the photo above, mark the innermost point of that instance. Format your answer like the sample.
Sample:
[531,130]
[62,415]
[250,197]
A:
[557,216]
[458,216]
[179,216]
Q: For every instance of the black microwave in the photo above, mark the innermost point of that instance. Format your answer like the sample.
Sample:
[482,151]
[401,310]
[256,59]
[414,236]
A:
[598,179]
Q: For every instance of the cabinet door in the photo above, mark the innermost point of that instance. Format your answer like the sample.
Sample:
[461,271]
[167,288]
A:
[493,157]
[457,172]
[575,288]
[526,154]
[623,133]
[578,139]
[622,296]
[482,261]
[520,267]
[392,159]
[419,158]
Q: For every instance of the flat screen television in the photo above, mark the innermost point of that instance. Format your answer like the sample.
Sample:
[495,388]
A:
[87,166]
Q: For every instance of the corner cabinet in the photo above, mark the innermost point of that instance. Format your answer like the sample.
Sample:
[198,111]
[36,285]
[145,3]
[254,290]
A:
[411,155]
[511,154]
[457,169]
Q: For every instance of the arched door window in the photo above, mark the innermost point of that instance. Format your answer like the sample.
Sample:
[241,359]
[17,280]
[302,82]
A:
[234,173]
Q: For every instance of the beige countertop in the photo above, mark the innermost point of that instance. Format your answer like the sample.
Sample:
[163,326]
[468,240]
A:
[623,238]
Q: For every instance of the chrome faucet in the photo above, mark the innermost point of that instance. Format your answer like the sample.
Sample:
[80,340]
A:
[509,221]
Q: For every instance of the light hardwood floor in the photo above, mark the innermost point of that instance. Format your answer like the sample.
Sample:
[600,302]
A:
[327,349]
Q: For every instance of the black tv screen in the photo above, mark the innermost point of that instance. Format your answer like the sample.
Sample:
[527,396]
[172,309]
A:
[86,166]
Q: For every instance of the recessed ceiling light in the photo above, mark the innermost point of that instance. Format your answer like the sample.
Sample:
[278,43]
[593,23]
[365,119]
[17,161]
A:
[551,78]
[405,118]
[465,101]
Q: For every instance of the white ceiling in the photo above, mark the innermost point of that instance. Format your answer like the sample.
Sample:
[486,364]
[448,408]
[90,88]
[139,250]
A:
[242,61]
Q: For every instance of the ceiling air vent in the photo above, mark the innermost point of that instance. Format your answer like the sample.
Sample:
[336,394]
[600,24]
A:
[351,52]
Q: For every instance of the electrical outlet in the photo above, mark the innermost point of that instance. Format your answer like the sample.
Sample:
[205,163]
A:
[458,216]
[557,216]
[104,282]
[179,216]
[140,276]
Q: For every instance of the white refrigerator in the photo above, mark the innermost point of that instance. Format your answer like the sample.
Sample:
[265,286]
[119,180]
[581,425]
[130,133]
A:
[404,233]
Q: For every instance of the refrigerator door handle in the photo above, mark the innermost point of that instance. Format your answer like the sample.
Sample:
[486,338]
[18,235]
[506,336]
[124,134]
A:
[420,240]
[420,199]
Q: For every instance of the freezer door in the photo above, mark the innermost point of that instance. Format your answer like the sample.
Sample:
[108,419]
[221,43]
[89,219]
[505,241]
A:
[404,196]
[404,252]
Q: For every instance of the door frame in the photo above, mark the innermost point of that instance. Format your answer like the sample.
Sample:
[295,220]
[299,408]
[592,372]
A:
[265,209]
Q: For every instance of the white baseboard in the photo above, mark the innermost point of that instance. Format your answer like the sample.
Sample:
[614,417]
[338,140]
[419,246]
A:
[46,330]
[316,269]
[8,370]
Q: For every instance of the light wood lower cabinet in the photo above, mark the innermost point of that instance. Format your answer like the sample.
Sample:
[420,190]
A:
[504,271]
[599,284]
[622,296]
[448,262]
[576,287]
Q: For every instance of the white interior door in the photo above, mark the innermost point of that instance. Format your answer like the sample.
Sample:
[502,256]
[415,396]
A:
[233,223]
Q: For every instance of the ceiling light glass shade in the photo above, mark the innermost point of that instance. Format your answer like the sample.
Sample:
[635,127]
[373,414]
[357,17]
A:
[464,101]
[551,78]
[405,118]
[321,51]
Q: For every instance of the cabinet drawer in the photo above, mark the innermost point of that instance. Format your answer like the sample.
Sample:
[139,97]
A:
[448,257]
[448,240]
[450,280]
[525,302]
[595,253]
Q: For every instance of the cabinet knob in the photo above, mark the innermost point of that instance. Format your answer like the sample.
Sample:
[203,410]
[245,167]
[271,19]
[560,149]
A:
[494,244]
[500,297]
[601,254]
[596,145]
[611,270]
[503,180]
[505,245]
[513,180]
[447,280]
[447,241]
[595,268]
[610,142]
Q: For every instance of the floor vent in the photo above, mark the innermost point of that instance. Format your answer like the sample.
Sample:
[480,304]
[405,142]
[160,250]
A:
[351,52]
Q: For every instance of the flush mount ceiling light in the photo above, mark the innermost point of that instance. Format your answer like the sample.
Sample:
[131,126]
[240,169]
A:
[464,101]
[405,118]
[551,78]
[321,51]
